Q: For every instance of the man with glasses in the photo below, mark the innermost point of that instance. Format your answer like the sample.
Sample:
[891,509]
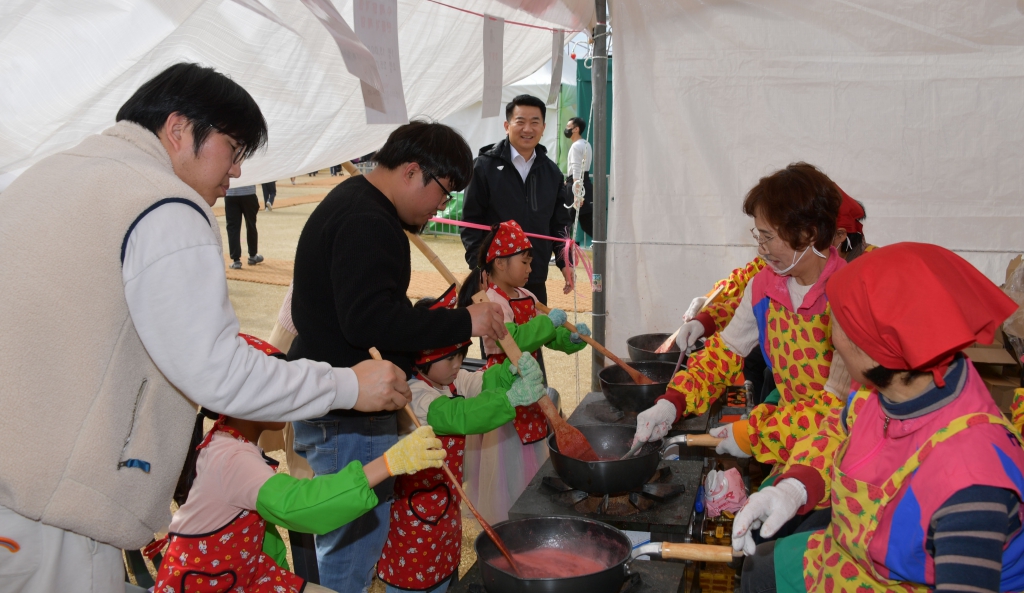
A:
[352,272]
[105,356]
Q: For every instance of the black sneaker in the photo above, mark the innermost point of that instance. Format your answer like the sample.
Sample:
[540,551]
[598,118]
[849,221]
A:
[236,265]
[253,260]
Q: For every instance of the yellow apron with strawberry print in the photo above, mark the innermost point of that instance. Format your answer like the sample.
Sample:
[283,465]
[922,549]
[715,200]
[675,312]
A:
[799,349]
[836,558]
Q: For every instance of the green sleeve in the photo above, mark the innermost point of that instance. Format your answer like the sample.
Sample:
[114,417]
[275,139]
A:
[475,415]
[318,506]
[274,547]
[533,334]
[562,343]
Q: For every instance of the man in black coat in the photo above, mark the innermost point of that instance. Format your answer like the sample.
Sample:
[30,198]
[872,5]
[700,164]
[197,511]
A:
[515,180]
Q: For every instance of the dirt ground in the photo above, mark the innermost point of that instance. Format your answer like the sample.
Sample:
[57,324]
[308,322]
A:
[257,304]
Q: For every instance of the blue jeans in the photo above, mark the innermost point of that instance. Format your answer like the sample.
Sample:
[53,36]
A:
[346,556]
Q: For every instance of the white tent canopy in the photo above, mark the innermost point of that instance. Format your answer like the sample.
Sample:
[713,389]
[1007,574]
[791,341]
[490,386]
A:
[914,108]
[68,66]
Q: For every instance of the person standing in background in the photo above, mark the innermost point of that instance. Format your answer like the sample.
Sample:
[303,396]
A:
[269,193]
[515,180]
[581,157]
[241,202]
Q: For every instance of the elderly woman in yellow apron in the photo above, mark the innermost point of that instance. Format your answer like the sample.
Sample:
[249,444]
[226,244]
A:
[926,482]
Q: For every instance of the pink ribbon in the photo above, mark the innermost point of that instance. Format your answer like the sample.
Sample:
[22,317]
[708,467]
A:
[571,252]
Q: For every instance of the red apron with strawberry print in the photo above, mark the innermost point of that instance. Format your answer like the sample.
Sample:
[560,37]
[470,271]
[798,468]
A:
[530,423]
[230,559]
[837,558]
[425,538]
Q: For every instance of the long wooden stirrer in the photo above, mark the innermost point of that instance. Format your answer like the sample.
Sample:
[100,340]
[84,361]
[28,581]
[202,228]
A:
[375,354]
[667,344]
[433,259]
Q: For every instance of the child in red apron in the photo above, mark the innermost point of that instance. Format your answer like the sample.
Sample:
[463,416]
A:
[425,538]
[502,462]
[927,478]
[218,541]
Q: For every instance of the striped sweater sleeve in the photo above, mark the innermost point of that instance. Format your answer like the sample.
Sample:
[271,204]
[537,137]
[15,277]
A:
[967,535]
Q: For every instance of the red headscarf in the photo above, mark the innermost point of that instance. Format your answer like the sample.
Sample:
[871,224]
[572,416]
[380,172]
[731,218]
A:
[509,240]
[850,213]
[447,301]
[912,306]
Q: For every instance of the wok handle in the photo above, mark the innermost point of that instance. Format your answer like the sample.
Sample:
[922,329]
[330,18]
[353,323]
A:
[696,552]
[702,440]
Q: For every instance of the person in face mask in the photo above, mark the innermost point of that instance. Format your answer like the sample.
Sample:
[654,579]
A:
[579,160]
[783,309]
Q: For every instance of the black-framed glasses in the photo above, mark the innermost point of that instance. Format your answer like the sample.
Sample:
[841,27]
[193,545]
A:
[448,197]
[237,152]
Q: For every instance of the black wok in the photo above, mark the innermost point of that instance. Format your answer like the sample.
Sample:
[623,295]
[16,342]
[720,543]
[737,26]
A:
[615,476]
[583,537]
[642,348]
[624,394]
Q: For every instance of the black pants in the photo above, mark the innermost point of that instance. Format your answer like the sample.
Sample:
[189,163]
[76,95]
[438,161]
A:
[269,192]
[235,208]
[587,211]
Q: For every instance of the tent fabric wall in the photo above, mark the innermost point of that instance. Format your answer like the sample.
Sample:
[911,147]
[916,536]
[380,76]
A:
[914,108]
[68,66]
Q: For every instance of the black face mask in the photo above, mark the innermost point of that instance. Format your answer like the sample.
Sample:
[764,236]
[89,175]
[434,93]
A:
[568,133]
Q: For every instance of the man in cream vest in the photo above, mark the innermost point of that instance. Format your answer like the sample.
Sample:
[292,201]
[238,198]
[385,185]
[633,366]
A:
[106,354]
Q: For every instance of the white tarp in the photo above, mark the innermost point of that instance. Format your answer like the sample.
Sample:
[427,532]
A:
[67,67]
[914,108]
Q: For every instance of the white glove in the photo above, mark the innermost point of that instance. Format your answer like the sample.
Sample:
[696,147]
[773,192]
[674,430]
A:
[654,422]
[689,333]
[694,308]
[769,508]
[729,446]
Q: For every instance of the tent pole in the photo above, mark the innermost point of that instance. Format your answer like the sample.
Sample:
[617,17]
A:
[599,126]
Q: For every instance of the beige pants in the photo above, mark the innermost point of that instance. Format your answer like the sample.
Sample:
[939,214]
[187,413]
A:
[49,559]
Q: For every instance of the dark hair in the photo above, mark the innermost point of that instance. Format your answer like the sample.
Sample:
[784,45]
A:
[208,99]
[577,122]
[799,201]
[426,303]
[471,285]
[882,377]
[438,149]
[525,101]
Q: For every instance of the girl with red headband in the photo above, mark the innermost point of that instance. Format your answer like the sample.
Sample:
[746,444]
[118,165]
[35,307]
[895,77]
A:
[502,462]
[425,537]
[925,475]
[219,540]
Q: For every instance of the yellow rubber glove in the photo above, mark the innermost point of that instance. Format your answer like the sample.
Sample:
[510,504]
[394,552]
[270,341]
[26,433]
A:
[419,450]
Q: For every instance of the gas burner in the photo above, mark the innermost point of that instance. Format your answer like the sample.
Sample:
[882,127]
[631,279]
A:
[657,490]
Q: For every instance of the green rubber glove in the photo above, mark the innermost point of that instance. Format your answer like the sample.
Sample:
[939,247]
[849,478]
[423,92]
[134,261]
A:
[529,387]
[420,450]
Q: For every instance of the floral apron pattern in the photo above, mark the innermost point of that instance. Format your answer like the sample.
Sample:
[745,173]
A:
[530,423]
[425,538]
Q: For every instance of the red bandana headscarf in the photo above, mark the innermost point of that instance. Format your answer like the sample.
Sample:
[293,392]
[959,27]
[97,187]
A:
[447,301]
[850,213]
[912,306]
[509,240]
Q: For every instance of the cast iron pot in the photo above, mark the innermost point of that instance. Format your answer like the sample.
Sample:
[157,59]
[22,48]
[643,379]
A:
[610,441]
[642,348]
[624,394]
[584,537]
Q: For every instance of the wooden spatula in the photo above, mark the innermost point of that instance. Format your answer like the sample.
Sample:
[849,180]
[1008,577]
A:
[375,354]
[570,440]
[667,344]
[637,377]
